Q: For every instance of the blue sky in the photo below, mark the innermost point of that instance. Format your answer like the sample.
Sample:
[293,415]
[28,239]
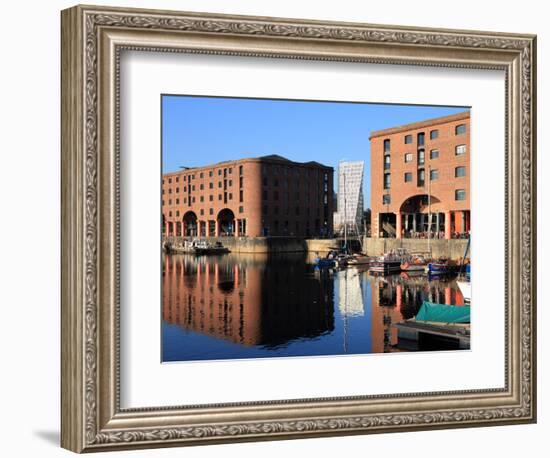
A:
[197,131]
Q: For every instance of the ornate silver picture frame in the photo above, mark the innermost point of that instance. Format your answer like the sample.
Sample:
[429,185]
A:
[93,39]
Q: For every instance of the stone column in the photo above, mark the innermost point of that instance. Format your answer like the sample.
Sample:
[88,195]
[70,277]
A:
[414,222]
[447,225]
[216,228]
[437,224]
[398,225]
[236,228]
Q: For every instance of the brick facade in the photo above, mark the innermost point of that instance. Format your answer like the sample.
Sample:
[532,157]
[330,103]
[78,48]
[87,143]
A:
[265,196]
[401,203]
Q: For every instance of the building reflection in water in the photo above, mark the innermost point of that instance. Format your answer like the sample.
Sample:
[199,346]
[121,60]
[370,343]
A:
[249,299]
[399,297]
[240,305]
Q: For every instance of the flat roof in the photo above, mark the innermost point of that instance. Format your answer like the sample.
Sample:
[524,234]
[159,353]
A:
[420,124]
[272,158]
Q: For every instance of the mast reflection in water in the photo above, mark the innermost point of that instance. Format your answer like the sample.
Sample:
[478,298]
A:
[254,306]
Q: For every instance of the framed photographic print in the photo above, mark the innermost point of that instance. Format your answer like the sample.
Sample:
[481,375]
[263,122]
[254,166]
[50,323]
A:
[278,228]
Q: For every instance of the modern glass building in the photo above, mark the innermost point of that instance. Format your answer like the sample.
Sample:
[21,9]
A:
[349,213]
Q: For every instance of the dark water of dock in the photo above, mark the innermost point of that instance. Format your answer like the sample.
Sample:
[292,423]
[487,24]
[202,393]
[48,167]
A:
[256,306]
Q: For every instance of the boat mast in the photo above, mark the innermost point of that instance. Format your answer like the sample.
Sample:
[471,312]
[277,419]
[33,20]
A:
[429,208]
[345,217]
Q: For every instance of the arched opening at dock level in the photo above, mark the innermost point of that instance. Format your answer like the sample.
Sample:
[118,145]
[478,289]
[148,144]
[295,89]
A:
[190,224]
[226,222]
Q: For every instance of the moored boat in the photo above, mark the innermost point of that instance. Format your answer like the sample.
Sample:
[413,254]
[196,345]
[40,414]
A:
[358,259]
[441,267]
[203,247]
[416,263]
[390,262]
[465,288]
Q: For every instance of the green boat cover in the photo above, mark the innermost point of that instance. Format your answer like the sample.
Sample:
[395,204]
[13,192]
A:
[442,313]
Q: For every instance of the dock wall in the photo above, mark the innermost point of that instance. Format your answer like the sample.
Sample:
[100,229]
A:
[267,244]
[453,249]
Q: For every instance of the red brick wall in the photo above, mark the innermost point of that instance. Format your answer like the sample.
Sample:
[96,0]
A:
[442,189]
[276,186]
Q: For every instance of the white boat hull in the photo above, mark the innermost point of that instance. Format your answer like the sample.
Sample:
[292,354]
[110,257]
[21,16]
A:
[465,289]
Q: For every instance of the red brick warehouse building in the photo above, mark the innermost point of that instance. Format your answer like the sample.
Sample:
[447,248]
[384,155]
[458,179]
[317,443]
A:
[418,170]
[263,196]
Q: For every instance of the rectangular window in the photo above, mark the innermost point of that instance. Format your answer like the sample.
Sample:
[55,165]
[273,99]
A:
[169,201]
[387,145]
[230,181]
[169,180]
[219,197]
[210,173]
[460,194]
[421,177]
[211,211]
[460,150]
[211,185]
[177,213]
[193,187]
[230,170]
[434,154]
[386,199]
[201,175]
[460,172]
[219,184]
[408,157]
[420,139]
[177,179]
[241,195]
[219,172]
[434,134]
[230,196]
[408,139]
[241,209]
[421,157]
[240,182]
[387,161]
[202,199]
[460,129]
[177,201]
[201,186]
[240,169]
[211,198]
[387,180]
[408,177]
[434,174]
